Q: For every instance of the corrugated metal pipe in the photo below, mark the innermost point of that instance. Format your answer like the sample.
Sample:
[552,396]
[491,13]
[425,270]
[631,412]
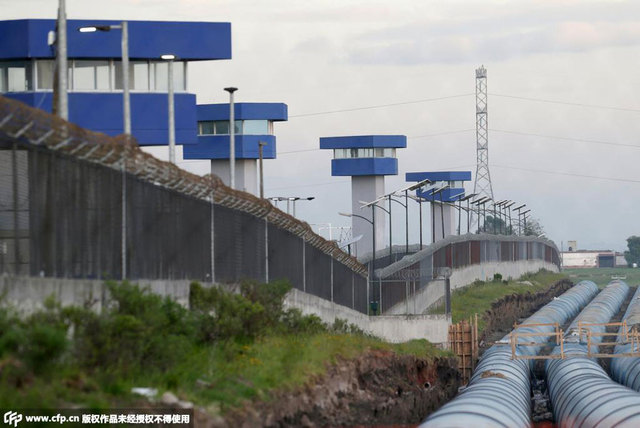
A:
[581,392]
[499,392]
[626,370]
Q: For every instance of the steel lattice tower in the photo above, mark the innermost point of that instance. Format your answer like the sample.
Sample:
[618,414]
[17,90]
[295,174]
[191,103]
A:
[482,185]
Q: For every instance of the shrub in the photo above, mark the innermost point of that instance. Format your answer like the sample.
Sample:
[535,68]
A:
[497,277]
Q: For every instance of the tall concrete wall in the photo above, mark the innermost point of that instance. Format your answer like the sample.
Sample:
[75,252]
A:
[462,277]
[28,294]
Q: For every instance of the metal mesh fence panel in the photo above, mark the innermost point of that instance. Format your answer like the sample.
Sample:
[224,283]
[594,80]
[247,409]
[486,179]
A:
[62,194]
[14,211]
[361,285]
[73,218]
[286,257]
[318,273]
[343,286]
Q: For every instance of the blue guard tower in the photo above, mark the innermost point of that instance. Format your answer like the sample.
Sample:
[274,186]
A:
[442,214]
[367,159]
[253,128]
[95,72]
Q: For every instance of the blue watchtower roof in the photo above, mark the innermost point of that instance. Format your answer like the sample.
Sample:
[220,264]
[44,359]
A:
[363,155]
[448,195]
[439,176]
[188,41]
[364,141]
[244,111]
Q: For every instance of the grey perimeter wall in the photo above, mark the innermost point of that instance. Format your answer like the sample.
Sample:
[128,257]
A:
[28,294]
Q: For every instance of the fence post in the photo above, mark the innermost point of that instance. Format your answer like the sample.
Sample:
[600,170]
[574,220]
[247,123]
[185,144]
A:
[406,296]
[353,292]
[16,237]
[332,276]
[213,241]
[266,250]
[124,214]
[447,295]
[304,265]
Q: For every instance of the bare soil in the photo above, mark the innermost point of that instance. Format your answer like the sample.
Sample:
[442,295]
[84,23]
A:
[378,388]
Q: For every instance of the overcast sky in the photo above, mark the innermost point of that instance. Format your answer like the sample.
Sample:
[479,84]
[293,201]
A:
[324,56]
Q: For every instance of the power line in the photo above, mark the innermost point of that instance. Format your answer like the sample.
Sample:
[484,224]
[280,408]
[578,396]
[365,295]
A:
[309,185]
[568,174]
[410,137]
[580,140]
[380,106]
[568,103]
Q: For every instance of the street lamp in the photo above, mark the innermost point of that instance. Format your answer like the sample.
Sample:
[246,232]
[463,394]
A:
[373,259]
[518,209]
[524,219]
[374,205]
[435,192]
[508,206]
[124,41]
[126,113]
[172,117]
[232,138]
[466,198]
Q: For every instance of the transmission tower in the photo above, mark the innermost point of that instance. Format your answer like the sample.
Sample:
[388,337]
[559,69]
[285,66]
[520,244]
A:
[482,185]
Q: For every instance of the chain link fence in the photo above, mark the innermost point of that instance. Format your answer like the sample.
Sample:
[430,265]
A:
[79,204]
[399,282]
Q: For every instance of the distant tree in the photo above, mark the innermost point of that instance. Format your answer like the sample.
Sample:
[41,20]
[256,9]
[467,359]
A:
[533,227]
[496,225]
[633,254]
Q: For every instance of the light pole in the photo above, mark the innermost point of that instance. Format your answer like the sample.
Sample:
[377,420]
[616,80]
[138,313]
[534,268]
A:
[518,209]
[61,54]
[374,205]
[524,219]
[467,198]
[508,207]
[406,224]
[124,42]
[126,117]
[373,259]
[232,138]
[261,144]
[419,201]
[172,117]
[436,192]
[290,199]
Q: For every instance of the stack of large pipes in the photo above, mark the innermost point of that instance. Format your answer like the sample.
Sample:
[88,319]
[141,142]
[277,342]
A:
[626,370]
[499,392]
[581,393]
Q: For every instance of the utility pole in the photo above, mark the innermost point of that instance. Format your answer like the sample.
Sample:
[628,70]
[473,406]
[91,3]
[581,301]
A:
[61,53]
[261,144]
[482,186]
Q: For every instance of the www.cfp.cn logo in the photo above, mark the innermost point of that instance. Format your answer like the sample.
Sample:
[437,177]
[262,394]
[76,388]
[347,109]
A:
[12,418]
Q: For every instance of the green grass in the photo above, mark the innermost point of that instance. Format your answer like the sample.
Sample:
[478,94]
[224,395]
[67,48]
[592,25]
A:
[216,358]
[602,276]
[478,297]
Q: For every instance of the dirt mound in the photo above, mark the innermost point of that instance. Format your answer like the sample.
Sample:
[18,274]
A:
[506,311]
[378,388]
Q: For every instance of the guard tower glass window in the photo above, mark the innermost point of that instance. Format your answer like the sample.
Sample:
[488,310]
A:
[221,127]
[44,72]
[255,127]
[16,76]
[139,76]
[89,75]
[206,127]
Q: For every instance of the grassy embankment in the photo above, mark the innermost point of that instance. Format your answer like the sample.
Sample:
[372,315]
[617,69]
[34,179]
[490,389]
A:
[225,349]
[478,297]
[602,276]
